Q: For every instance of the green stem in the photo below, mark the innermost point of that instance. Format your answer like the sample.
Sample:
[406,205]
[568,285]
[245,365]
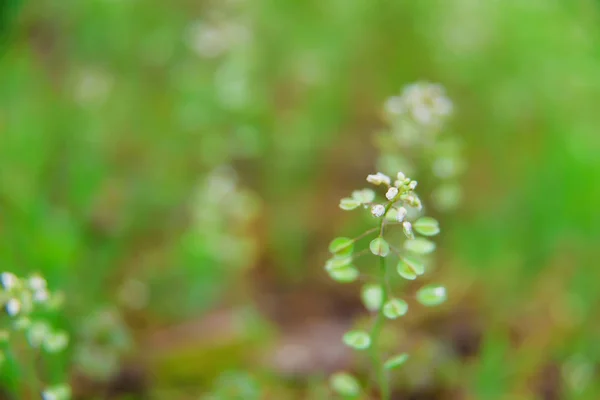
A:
[380,373]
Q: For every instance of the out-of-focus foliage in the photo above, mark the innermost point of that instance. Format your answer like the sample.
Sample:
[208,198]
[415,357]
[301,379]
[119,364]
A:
[117,115]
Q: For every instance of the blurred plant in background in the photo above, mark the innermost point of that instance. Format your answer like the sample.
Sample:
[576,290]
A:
[416,140]
[29,342]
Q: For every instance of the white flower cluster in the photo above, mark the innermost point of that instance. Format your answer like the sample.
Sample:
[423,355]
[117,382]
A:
[425,103]
[416,117]
[222,213]
[21,298]
[402,191]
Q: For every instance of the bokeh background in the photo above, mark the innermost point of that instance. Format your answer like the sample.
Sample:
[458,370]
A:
[174,167]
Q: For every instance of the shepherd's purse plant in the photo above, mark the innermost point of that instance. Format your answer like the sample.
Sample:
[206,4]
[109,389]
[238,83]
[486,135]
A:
[399,209]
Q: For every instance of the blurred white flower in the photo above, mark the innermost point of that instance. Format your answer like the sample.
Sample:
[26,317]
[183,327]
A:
[426,103]
[56,342]
[36,282]
[13,307]
[9,280]
[211,40]
[36,333]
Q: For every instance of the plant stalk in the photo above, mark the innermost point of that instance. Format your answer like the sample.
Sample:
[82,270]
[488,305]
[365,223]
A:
[380,373]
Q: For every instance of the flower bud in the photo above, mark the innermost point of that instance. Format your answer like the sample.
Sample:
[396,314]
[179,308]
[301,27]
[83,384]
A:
[378,179]
[391,193]
[378,210]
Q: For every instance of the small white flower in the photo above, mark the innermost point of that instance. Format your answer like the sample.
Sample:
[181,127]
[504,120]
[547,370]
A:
[377,210]
[379,178]
[41,296]
[13,306]
[57,392]
[48,394]
[412,185]
[442,106]
[391,193]
[394,105]
[401,177]
[56,342]
[37,333]
[423,114]
[9,280]
[36,282]
[401,214]
[207,41]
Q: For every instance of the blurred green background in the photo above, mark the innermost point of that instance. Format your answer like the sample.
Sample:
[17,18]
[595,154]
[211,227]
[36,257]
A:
[175,168]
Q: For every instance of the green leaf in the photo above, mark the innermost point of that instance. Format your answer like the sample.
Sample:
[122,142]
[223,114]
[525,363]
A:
[358,340]
[405,271]
[372,296]
[338,262]
[409,268]
[427,226]
[344,275]
[349,204]
[379,247]
[419,246]
[363,196]
[396,361]
[344,384]
[341,246]
[395,308]
[431,295]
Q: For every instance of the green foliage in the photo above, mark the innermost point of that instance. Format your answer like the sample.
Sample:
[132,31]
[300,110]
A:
[341,246]
[395,308]
[427,226]
[372,296]
[410,268]
[358,340]
[379,247]
[419,246]
[396,361]
[348,204]
[345,384]
[346,274]
[431,295]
